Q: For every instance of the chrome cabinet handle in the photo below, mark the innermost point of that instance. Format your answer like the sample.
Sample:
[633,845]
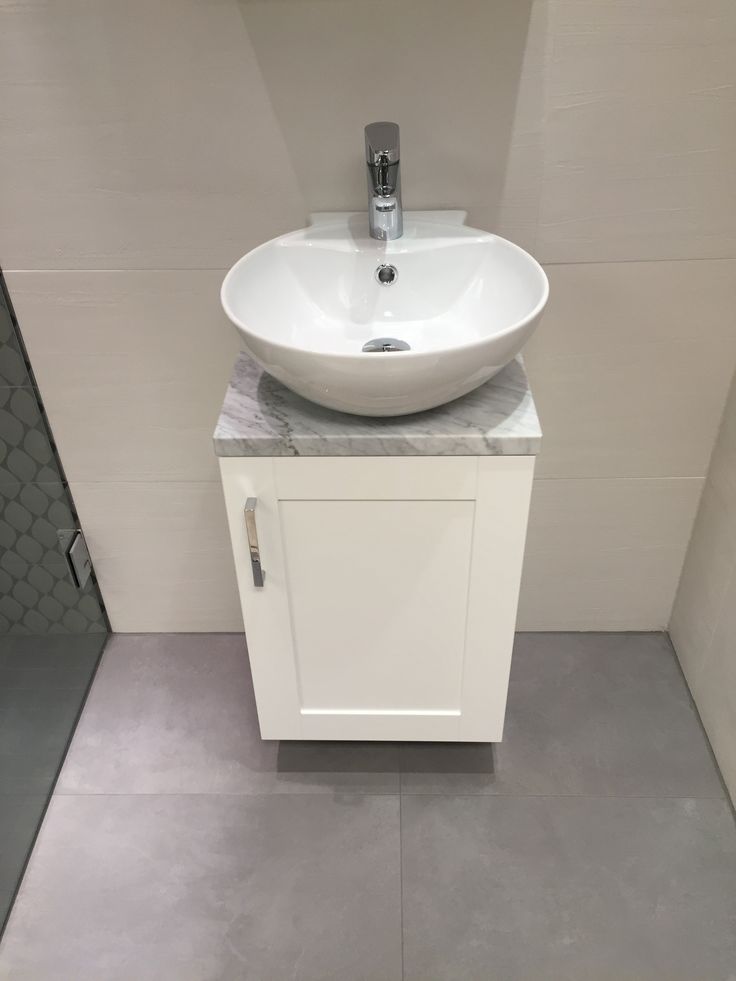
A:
[255,555]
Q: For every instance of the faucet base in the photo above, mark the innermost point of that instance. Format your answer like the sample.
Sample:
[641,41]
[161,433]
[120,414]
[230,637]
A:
[385,218]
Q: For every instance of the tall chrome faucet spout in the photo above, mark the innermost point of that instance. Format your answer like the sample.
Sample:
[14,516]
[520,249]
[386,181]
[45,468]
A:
[385,217]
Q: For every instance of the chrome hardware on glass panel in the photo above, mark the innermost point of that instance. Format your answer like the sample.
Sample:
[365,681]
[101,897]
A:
[74,547]
[385,217]
[259,574]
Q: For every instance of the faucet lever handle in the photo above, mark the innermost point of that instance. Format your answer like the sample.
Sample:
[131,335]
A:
[381,144]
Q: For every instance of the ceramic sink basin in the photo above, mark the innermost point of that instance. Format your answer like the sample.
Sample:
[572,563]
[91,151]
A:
[385,328]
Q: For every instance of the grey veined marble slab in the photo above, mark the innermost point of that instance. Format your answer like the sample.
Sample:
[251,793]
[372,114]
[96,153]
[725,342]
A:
[260,417]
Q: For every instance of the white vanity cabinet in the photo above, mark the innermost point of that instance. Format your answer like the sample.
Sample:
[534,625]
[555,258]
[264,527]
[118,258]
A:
[378,560]
[388,604]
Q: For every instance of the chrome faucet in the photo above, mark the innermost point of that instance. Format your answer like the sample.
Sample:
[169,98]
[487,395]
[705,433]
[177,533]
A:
[385,217]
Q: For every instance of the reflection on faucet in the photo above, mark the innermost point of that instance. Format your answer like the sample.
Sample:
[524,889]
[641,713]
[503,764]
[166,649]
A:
[384,180]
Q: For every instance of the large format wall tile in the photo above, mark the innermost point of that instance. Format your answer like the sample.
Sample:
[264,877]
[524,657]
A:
[517,215]
[710,563]
[640,141]
[703,625]
[601,554]
[605,554]
[133,366]
[722,473]
[162,555]
[636,163]
[136,135]
[449,74]
[714,688]
[631,365]
[176,135]
[711,557]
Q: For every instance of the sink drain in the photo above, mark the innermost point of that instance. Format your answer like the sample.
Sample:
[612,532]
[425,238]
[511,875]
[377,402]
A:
[382,344]
[387,274]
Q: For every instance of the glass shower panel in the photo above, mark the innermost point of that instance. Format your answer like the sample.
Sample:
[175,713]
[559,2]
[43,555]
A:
[52,631]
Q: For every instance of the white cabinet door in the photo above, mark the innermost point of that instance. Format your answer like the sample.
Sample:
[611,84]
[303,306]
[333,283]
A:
[389,600]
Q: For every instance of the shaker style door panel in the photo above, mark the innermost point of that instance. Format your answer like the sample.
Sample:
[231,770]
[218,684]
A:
[378,594]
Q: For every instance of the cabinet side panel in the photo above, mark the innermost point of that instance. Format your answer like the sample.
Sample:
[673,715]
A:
[502,511]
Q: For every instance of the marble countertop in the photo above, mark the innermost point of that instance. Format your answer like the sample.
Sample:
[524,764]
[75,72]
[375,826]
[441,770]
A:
[260,417]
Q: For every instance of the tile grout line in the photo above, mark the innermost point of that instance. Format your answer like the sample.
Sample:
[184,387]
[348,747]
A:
[618,797]
[223,268]
[215,481]
[331,790]
[401,873]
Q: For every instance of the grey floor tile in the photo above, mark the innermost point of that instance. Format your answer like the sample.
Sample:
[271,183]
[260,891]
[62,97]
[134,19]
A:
[568,889]
[19,817]
[174,713]
[210,888]
[49,660]
[587,714]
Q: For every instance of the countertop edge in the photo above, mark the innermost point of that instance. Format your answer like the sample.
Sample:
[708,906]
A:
[229,447]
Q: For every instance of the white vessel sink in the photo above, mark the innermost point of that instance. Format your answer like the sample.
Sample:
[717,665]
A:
[462,301]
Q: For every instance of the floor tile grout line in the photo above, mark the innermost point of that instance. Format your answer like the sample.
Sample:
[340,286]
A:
[331,792]
[471,796]
[348,792]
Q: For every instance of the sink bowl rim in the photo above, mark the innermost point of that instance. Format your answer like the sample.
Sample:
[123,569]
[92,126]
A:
[519,325]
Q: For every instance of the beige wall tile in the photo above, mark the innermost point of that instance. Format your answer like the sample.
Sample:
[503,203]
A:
[133,367]
[624,385]
[601,555]
[703,625]
[162,555]
[715,689]
[136,134]
[641,131]
[631,366]
[639,601]
[448,73]
[178,134]
[181,133]
[722,472]
[605,554]
[516,215]
[711,558]
[710,562]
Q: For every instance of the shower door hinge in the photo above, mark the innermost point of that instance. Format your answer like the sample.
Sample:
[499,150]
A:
[76,553]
